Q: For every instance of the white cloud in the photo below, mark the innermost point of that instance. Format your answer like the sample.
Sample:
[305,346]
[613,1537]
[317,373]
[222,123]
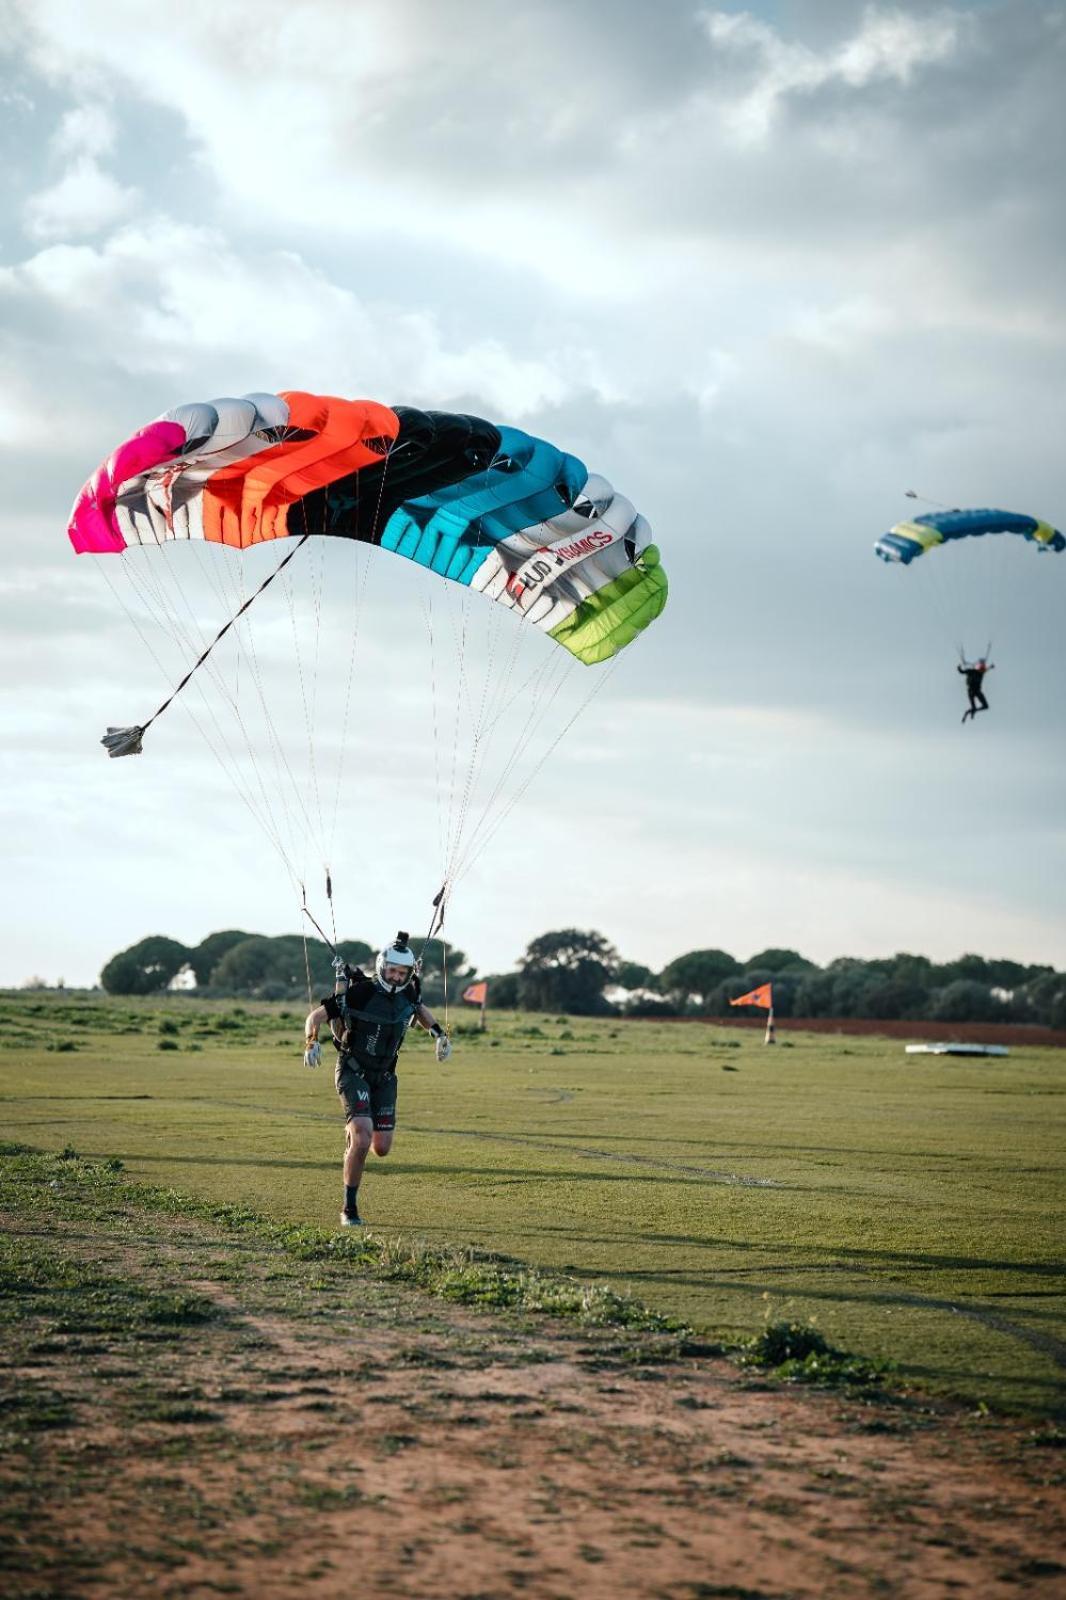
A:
[328,139]
[87,130]
[388,123]
[86,199]
[888,45]
[168,298]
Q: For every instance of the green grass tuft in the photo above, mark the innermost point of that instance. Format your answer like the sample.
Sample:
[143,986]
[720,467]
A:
[798,1353]
[77,1298]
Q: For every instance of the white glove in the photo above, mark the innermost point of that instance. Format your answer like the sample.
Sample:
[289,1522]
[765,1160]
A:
[313,1054]
[443,1047]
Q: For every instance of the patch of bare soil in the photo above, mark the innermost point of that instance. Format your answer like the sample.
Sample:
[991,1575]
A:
[323,1433]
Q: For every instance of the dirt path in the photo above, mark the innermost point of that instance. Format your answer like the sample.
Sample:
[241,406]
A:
[301,1428]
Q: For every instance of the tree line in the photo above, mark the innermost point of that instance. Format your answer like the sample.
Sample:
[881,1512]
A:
[580,972]
[585,970]
[258,966]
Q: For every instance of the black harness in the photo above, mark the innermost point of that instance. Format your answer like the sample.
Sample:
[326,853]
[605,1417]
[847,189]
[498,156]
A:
[374,1030]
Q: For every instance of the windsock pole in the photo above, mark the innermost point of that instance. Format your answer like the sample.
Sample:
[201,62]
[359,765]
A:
[770,1037]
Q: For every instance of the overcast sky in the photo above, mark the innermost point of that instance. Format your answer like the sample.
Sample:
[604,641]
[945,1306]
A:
[765,268]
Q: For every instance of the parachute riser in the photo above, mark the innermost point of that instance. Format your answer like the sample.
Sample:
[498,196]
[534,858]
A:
[436,921]
[963,661]
[323,936]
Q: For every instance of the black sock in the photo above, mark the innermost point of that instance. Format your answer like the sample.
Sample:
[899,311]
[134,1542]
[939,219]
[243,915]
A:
[351,1199]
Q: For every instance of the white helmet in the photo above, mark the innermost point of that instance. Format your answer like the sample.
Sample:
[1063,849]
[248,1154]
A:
[397,954]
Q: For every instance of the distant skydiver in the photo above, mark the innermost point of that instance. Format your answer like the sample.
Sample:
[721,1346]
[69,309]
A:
[974,673]
[369,1019]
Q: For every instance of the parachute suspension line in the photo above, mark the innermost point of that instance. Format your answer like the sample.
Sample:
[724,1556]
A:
[277,795]
[942,598]
[482,841]
[558,661]
[481,744]
[462,689]
[309,696]
[190,636]
[308,685]
[543,694]
[463,694]
[942,592]
[444,831]
[947,595]
[100,567]
[488,713]
[362,575]
[247,643]
[487,706]
[444,828]
[170,625]
[266,816]
[184,638]
[307,964]
[362,569]
[228,587]
[456,822]
[533,687]
[285,793]
[427,611]
[263,800]
[318,584]
[475,760]
[360,583]
[127,741]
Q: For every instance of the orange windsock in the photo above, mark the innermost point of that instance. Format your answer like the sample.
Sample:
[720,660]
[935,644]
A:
[762,996]
[476,994]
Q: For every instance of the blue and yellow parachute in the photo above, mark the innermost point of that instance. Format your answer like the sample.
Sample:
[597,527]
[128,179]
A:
[908,540]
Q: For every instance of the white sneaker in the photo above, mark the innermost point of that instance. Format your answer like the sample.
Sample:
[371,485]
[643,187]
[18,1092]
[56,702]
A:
[351,1219]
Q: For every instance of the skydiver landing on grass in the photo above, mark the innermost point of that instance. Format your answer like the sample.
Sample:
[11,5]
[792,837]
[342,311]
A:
[369,1019]
[974,672]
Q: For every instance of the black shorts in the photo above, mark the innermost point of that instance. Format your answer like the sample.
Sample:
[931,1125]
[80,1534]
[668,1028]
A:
[366,1092]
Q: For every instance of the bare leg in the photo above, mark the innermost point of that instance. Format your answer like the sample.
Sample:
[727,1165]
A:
[359,1132]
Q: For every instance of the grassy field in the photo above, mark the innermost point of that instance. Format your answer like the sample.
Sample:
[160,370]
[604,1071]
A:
[908,1204]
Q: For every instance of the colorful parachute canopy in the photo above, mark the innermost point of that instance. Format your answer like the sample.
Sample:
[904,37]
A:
[908,540]
[483,505]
